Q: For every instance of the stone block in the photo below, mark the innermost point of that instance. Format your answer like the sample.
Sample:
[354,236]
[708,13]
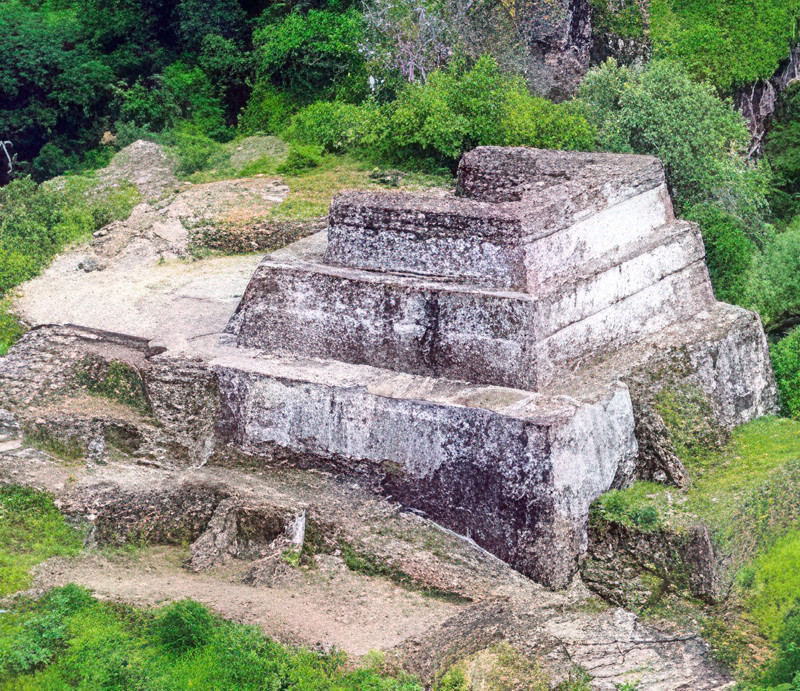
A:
[515,471]
[504,174]
[503,246]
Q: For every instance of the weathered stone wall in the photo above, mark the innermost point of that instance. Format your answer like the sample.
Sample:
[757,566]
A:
[513,471]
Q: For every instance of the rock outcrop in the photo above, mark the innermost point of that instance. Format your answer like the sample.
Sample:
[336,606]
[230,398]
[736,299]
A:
[558,38]
[757,102]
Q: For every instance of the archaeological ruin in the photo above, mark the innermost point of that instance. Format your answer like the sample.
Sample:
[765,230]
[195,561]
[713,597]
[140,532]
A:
[488,358]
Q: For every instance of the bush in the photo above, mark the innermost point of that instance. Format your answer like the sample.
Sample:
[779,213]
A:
[184,625]
[182,94]
[268,110]
[312,55]
[44,634]
[10,328]
[727,42]
[31,530]
[95,645]
[773,287]
[456,110]
[52,161]
[659,110]
[786,362]
[333,125]
[300,159]
[195,150]
[786,668]
[729,251]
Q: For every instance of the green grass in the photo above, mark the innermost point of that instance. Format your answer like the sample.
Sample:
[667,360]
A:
[728,486]
[748,493]
[31,530]
[68,639]
[10,328]
[772,586]
[311,191]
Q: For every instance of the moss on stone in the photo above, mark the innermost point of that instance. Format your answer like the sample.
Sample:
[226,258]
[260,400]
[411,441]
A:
[115,380]
[69,449]
[626,19]
[689,417]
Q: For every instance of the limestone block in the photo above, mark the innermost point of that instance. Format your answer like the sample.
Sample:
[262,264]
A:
[503,174]
[506,246]
[514,471]
[448,237]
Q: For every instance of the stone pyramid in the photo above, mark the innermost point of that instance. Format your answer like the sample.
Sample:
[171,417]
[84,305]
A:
[468,354]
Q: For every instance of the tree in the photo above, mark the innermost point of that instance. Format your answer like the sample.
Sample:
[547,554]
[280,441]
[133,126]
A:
[312,55]
[660,110]
[51,86]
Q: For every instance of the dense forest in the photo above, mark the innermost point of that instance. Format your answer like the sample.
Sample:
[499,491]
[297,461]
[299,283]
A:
[411,85]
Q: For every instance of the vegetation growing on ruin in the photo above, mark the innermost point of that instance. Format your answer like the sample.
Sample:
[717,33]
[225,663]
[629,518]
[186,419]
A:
[115,380]
[748,494]
[10,327]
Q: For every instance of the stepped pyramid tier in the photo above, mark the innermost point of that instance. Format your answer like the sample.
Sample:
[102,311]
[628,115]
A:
[469,351]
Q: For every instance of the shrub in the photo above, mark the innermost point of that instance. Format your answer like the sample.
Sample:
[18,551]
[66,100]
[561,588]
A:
[109,646]
[786,667]
[774,284]
[31,530]
[268,110]
[775,588]
[52,161]
[195,150]
[182,94]
[660,110]
[729,251]
[10,328]
[312,55]
[333,125]
[727,42]
[786,362]
[45,633]
[456,110]
[300,159]
[184,625]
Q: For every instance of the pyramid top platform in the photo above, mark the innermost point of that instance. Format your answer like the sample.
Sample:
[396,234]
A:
[494,231]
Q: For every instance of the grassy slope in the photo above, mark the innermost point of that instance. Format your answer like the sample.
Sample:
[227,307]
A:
[67,639]
[749,495]
[31,530]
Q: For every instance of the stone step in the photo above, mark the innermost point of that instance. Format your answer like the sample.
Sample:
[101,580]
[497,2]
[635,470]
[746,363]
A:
[504,246]
[295,304]
[675,298]
[431,235]
[398,322]
[619,275]
[515,471]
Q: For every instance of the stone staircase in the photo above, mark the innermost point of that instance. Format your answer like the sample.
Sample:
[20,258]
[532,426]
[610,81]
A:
[437,345]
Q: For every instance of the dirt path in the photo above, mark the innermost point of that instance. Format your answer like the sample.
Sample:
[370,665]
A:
[328,608]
